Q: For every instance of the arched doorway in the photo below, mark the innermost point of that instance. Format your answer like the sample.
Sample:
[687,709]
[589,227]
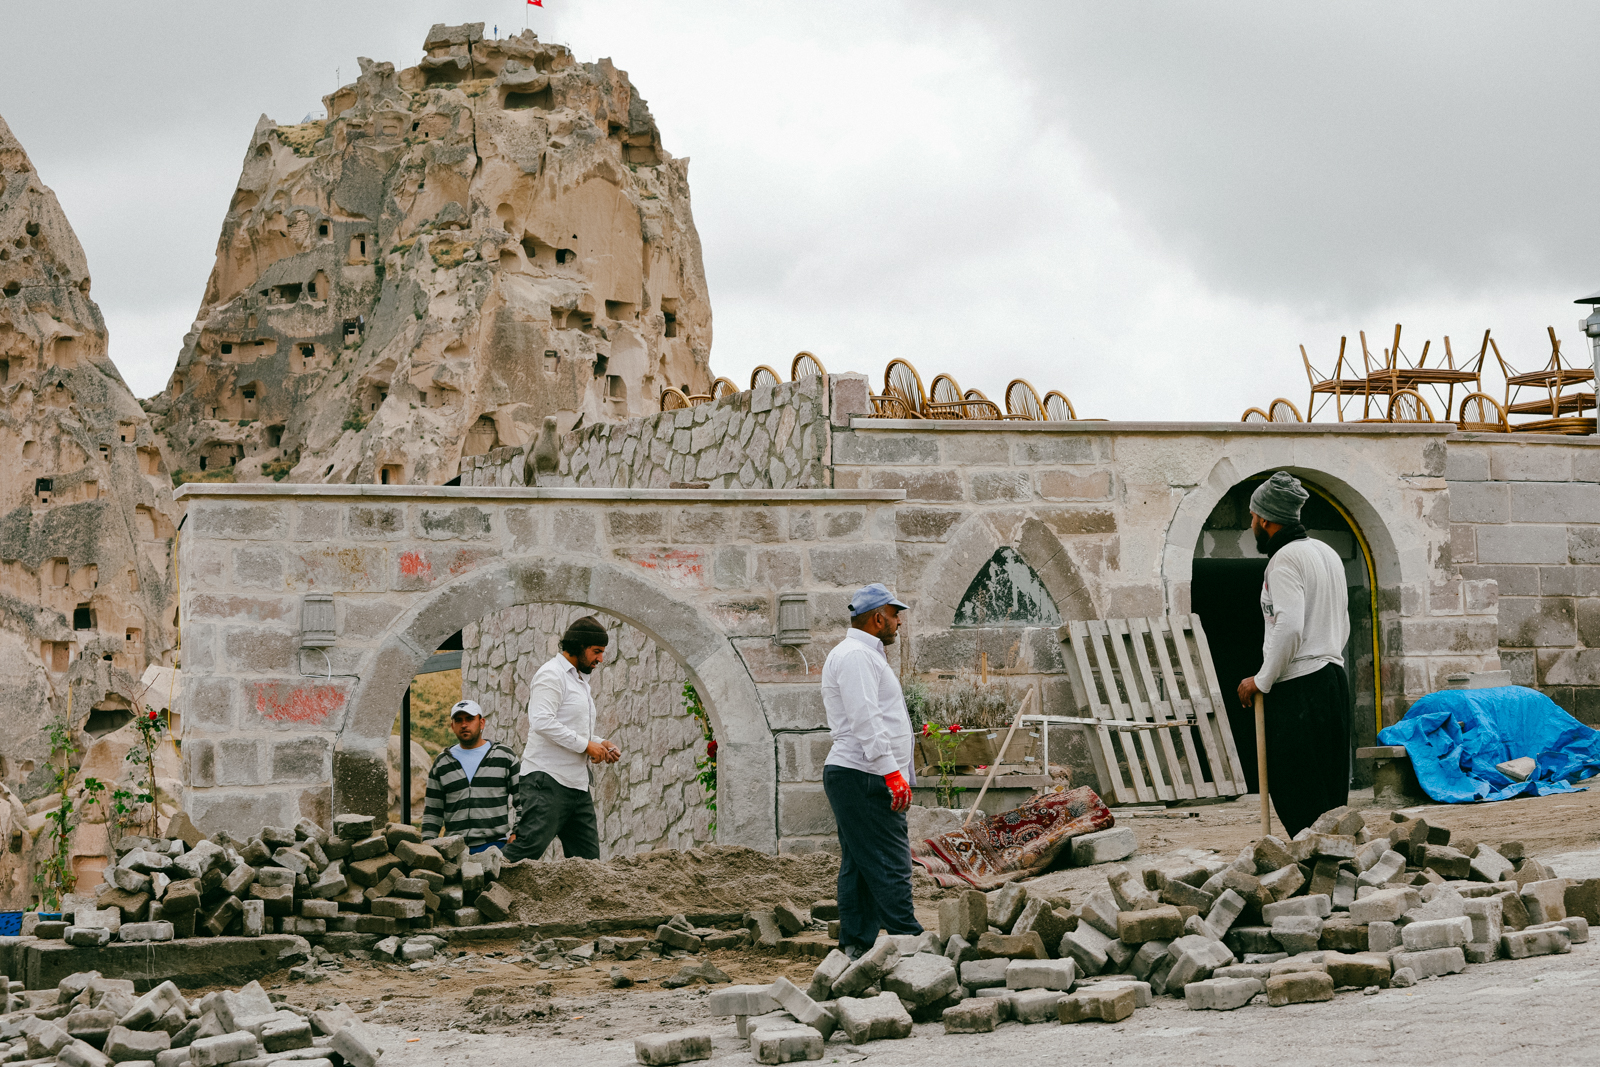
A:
[1225,590]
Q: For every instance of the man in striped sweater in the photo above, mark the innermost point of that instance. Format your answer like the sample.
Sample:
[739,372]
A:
[470,784]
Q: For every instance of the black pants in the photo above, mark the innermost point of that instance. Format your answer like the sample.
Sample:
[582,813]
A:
[546,810]
[874,860]
[1308,746]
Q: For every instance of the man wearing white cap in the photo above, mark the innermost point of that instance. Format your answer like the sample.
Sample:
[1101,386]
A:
[471,783]
[1306,605]
[867,775]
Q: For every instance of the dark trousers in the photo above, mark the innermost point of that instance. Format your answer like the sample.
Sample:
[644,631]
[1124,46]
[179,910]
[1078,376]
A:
[546,810]
[874,858]
[1308,746]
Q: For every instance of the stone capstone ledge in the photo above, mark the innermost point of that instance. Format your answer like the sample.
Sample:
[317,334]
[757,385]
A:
[465,493]
[188,963]
[1094,426]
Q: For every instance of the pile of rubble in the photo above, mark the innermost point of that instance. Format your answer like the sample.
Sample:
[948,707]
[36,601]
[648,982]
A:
[1338,906]
[91,1021]
[292,880]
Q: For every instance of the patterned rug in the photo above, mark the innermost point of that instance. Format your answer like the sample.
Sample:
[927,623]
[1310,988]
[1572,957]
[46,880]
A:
[1020,843]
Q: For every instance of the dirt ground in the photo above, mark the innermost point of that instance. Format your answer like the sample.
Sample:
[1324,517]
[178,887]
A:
[487,987]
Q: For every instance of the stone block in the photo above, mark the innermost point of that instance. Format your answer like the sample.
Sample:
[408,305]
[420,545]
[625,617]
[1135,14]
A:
[1357,969]
[1144,961]
[741,1000]
[975,1015]
[1100,911]
[1431,962]
[1227,908]
[786,1044]
[1316,905]
[1583,898]
[1181,894]
[87,936]
[1487,918]
[679,1046]
[1193,960]
[1030,1006]
[1129,890]
[873,1018]
[673,937]
[1012,946]
[1446,861]
[1297,933]
[1283,883]
[1103,846]
[965,915]
[82,1054]
[495,903]
[1048,922]
[284,1031]
[224,1048]
[804,1008]
[1388,866]
[827,973]
[1385,905]
[1436,933]
[1545,900]
[984,974]
[921,979]
[1153,924]
[1299,987]
[1097,1005]
[1221,994]
[1270,854]
[1085,946]
[148,931]
[868,968]
[1521,944]
[1041,974]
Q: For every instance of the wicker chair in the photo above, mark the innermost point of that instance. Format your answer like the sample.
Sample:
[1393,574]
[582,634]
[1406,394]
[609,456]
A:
[1407,405]
[1557,403]
[673,399]
[1338,387]
[806,365]
[723,387]
[1283,410]
[1255,415]
[764,375]
[902,380]
[1057,408]
[946,402]
[1482,413]
[1022,401]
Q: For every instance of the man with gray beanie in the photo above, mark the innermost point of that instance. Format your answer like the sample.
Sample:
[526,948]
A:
[1305,604]
[553,793]
[867,776]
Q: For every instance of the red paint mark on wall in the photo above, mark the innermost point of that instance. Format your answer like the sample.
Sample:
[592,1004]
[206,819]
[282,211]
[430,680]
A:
[412,565]
[312,704]
[678,567]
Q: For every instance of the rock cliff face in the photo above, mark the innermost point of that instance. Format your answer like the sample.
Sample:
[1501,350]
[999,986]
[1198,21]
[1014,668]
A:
[87,520]
[462,250]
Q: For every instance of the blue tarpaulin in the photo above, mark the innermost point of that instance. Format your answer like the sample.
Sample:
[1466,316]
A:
[1456,736]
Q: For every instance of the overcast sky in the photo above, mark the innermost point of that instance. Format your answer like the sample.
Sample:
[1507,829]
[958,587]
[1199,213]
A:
[1148,206]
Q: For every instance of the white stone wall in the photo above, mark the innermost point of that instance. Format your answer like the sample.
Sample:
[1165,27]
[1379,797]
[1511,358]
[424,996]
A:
[650,798]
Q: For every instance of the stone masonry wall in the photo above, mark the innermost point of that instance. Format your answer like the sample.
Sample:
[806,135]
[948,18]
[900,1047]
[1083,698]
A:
[775,437]
[1525,512]
[650,798]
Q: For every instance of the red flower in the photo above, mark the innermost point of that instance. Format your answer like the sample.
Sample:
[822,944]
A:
[152,715]
[711,749]
[926,730]
[955,728]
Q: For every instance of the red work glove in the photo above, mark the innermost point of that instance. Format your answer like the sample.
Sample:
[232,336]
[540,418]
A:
[899,791]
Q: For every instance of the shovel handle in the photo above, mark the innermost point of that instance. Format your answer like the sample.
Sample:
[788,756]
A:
[1261,764]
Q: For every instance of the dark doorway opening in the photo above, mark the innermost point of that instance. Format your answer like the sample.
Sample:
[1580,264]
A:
[1225,592]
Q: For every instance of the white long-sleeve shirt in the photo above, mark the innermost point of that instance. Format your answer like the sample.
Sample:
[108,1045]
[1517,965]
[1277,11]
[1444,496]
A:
[1305,603]
[561,723]
[866,709]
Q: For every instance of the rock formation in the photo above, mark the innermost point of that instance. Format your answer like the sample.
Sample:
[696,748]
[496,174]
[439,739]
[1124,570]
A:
[460,251]
[86,530]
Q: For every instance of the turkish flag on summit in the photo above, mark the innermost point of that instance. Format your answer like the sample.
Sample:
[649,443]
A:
[536,3]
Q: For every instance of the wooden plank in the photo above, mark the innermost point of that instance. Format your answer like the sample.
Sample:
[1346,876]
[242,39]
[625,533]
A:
[1160,709]
[1139,705]
[1099,635]
[1183,707]
[1205,707]
[1236,770]
[1104,756]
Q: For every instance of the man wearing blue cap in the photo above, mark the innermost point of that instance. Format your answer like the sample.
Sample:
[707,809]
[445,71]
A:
[867,774]
[1306,605]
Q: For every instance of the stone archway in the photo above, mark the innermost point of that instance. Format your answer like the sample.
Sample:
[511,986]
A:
[974,543]
[745,741]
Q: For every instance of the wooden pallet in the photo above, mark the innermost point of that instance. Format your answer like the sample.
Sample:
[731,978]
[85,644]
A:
[1152,683]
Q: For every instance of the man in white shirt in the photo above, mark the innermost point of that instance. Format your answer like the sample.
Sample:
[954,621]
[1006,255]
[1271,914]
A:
[1305,603]
[553,793]
[867,774]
